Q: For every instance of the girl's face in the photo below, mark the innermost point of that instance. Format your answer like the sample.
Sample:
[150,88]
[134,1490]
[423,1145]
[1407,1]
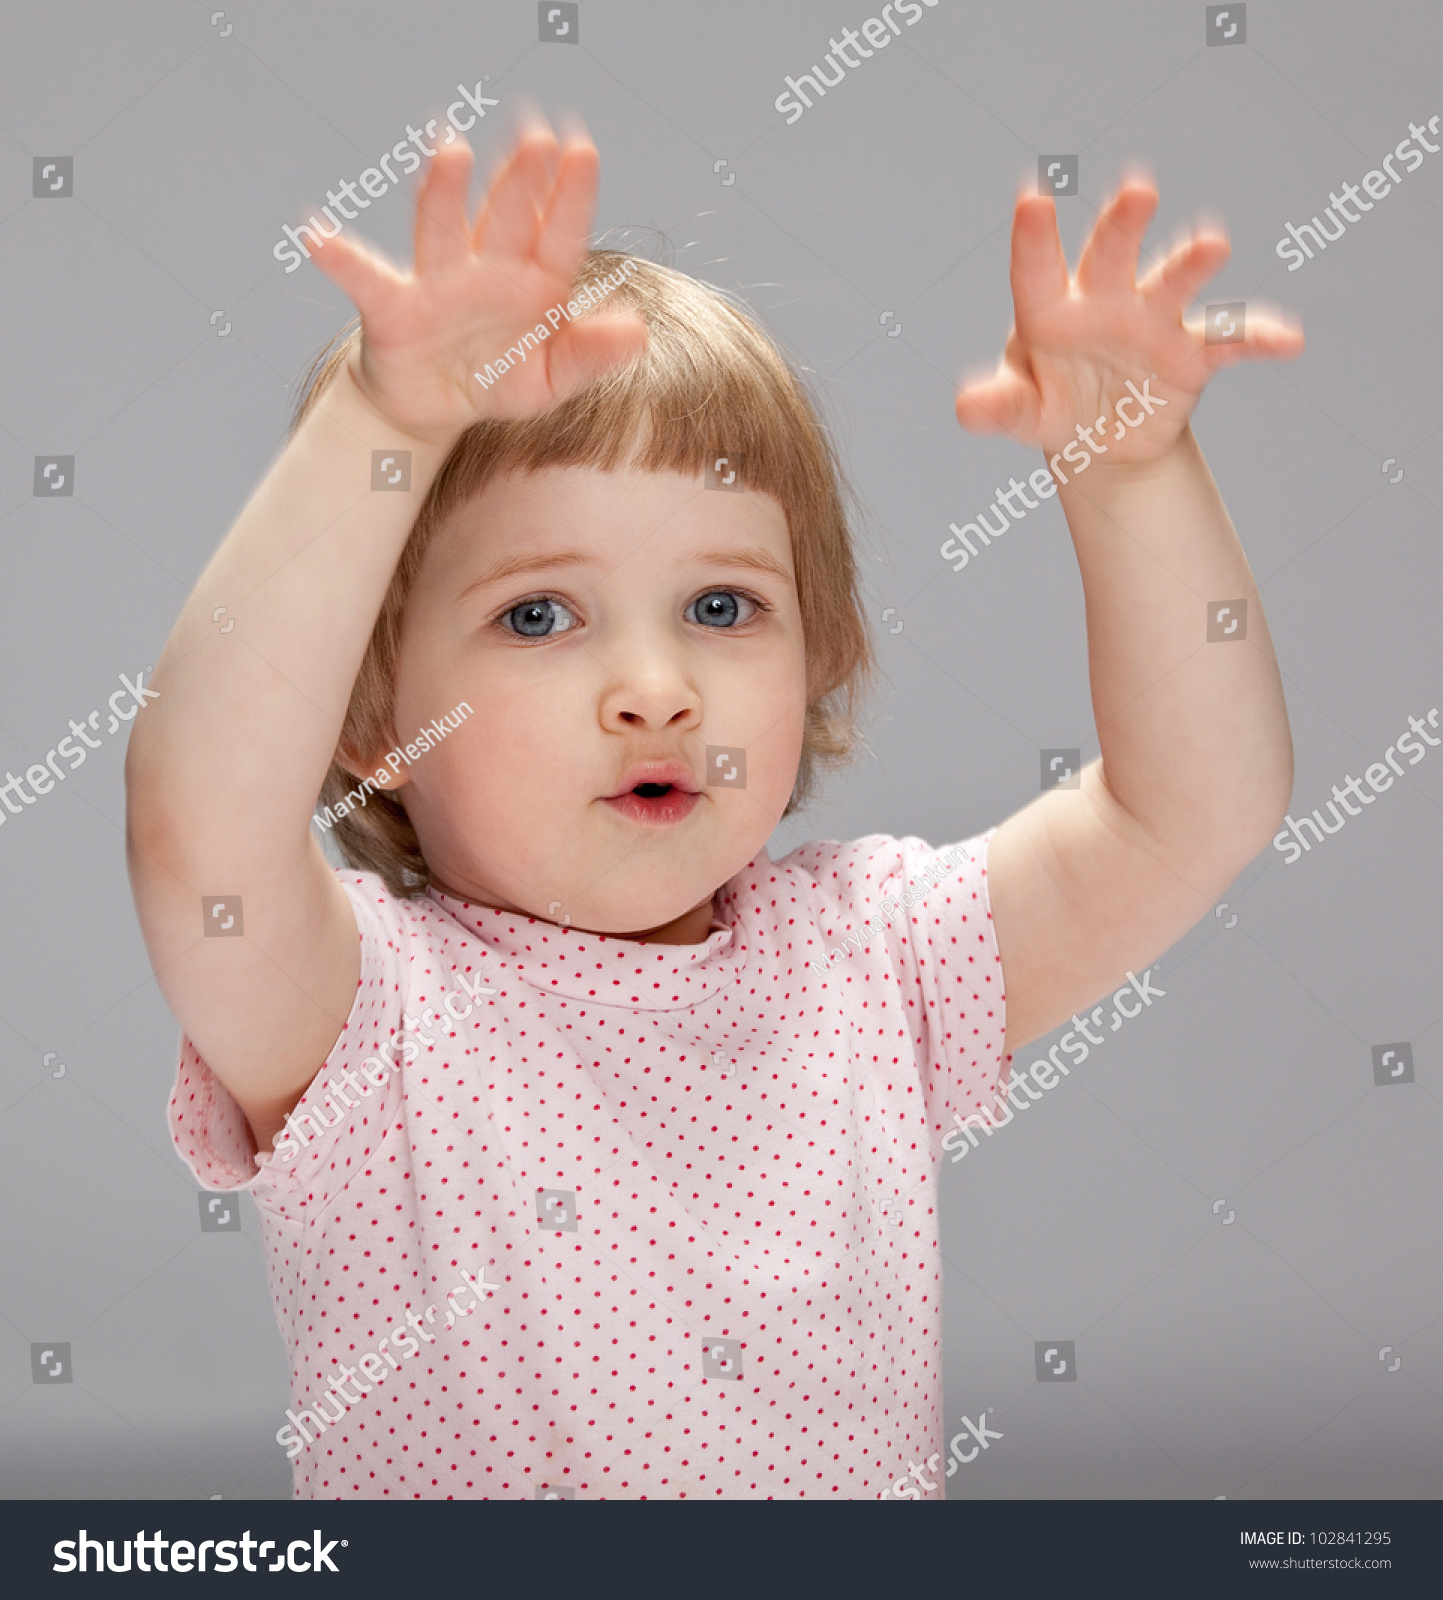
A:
[603,627]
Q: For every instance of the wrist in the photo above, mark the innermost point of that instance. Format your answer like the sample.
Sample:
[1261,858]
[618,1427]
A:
[349,400]
[1180,456]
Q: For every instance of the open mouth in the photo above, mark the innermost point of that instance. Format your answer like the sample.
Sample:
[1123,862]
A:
[654,803]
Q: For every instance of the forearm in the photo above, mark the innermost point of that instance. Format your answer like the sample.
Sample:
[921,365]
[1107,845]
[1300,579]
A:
[1194,736]
[247,721]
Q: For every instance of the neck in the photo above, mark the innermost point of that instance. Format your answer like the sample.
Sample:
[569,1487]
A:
[691,928]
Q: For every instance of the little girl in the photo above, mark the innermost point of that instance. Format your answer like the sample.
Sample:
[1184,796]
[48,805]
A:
[595,1159]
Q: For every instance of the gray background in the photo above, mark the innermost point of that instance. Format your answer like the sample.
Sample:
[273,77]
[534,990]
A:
[1238,1360]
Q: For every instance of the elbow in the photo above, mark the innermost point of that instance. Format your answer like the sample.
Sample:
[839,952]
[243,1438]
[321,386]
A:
[1274,799]
[171,832]
[1235,833]
[149,820]
[1248,819]
[1252,828]
[154,837]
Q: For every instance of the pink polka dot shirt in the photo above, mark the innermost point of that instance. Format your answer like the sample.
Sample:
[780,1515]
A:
[579,1217]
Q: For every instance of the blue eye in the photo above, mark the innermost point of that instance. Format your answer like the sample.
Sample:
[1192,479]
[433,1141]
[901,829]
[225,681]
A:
[533,619]
[536,618]
[720,607]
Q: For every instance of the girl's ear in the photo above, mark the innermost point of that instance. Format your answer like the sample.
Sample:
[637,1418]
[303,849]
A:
[378,771]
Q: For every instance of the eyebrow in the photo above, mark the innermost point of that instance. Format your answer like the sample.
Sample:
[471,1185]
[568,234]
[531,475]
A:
[756,560]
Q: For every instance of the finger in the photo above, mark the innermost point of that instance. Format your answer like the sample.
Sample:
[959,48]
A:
[590,347]
[1174,282]
[443,232]
[1267,336]
[1108,264]
[498,171]
[528,119]
[518,196]
[365,276]
[1005,402]
[1039,268]
[566,227]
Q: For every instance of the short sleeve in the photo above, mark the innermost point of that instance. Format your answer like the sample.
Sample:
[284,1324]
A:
[924,912]
[344,1113]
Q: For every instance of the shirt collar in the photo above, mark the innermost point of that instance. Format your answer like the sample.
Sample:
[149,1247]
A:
[601,969]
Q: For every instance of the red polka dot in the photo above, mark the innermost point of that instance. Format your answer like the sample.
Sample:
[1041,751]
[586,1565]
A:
[676,1169]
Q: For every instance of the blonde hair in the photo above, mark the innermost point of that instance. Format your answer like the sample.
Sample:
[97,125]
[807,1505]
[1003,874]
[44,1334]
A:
[709,384]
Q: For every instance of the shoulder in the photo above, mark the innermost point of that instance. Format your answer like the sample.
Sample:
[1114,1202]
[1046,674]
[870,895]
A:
[877,865]
[369,894]
[396,928]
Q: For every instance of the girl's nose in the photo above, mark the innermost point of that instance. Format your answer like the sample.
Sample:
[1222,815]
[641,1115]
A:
[651,692]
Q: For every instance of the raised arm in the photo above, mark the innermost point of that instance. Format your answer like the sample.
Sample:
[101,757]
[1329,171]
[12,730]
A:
[1196,765]
[223,771]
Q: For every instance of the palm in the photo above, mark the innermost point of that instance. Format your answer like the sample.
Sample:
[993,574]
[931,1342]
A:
[475,290]
[1075,344]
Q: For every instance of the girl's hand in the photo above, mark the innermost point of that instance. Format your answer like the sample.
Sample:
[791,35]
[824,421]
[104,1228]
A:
[1076,343]
[475,291]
